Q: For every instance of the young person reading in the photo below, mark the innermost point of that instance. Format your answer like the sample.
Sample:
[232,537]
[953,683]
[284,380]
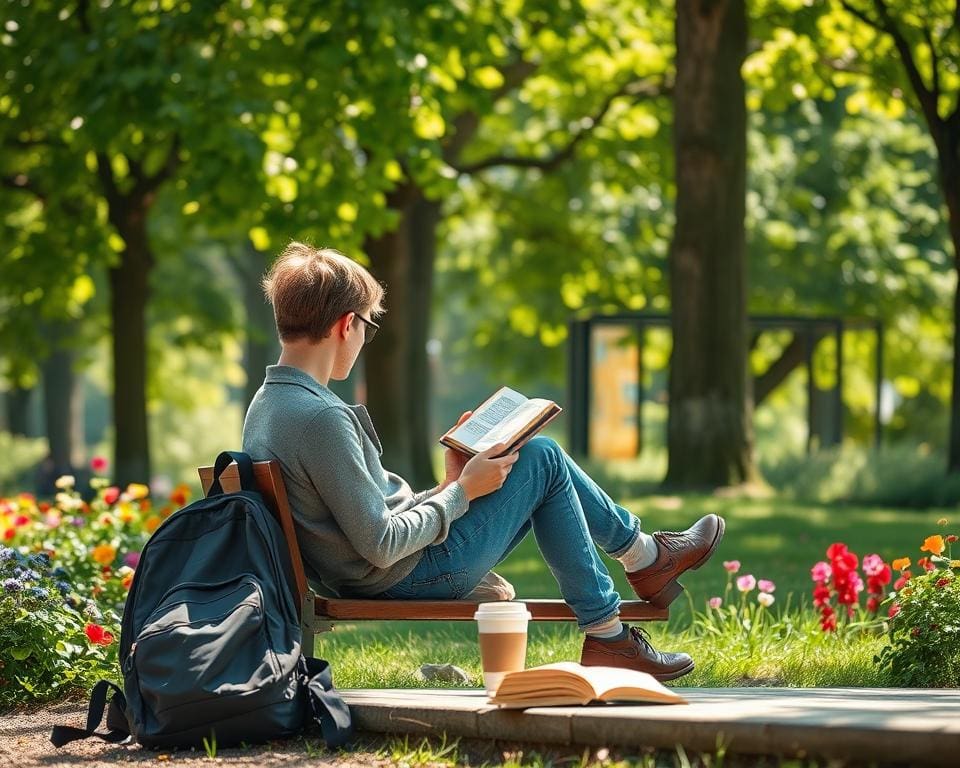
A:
[364,532]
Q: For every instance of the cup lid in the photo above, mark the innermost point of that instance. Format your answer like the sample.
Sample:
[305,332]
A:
[503,609]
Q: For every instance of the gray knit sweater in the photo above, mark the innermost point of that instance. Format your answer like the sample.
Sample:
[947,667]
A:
[361,528]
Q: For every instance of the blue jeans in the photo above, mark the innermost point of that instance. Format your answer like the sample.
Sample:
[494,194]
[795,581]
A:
[568,512]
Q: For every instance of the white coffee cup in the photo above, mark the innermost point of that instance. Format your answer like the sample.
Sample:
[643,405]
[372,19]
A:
[502,630]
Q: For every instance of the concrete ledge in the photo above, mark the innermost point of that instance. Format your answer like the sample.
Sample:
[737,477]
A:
[861,724]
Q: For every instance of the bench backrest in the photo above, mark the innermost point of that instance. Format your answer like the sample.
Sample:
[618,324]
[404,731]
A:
[269,482]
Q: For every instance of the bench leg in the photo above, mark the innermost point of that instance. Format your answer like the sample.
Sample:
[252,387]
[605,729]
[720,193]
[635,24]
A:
[311,625]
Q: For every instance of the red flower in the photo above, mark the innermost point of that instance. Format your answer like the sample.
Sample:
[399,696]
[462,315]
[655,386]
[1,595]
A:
[884,576]
[872,604]
[904,578]
[111,494]
[846,562]
[943,582]
[829,622]
[951,539]
[894,610]
[98,464]
[44,506]
[926,564]
[836,550]
[821,595]
[98,635]
[881,578]
[21,520]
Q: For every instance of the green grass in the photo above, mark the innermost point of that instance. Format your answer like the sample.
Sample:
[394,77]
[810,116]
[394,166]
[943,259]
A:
[773,539]
[414,751]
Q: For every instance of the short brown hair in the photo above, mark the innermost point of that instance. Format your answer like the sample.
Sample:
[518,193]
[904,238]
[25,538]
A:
[311,288]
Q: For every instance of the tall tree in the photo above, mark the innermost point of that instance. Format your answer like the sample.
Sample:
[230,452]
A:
[709,433]
[913,47]
[142,94]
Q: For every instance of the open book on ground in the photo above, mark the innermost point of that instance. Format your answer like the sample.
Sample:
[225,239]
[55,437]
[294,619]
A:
[504,417]
[568,683]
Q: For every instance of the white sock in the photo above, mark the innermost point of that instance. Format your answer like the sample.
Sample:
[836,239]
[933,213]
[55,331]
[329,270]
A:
[641,553]
[610,629]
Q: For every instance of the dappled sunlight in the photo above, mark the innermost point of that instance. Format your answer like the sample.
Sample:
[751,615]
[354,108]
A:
[772,541]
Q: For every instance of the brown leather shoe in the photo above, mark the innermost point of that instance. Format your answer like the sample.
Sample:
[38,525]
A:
[677,552]
[635,652]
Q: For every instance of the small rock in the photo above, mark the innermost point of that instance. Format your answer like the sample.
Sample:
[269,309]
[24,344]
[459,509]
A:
[447,673]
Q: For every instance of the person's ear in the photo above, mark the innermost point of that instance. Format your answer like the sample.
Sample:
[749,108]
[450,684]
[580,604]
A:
[344,323]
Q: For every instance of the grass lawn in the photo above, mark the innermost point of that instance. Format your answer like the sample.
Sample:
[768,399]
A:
[773,539]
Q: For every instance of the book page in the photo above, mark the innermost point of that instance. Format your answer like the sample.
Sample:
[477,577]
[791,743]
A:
[605,680]
[500,406]
[513,424]
[589,683]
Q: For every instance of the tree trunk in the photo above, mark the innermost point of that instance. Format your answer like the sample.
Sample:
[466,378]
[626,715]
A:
[18,409]
[63,411]
[709,433]
[389,387]
[948,151]
[425,217]
[261,347]
[129,292]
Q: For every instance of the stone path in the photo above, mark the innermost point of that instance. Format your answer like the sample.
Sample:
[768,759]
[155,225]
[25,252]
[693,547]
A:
[916,727]
[859,725]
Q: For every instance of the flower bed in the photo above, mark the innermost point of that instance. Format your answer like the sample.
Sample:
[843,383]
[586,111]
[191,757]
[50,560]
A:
[65,568]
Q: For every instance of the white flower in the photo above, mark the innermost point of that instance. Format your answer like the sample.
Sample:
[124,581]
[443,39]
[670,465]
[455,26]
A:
[65,481]
[67,502]
[765,599]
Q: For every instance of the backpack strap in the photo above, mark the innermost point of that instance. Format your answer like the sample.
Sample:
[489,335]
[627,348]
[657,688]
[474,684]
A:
[328,708]
[117,725]
[244,469]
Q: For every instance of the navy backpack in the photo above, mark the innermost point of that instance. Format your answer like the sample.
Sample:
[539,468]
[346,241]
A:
[210,644]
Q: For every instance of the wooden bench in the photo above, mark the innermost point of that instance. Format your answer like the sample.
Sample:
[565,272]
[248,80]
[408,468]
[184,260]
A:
[318,613]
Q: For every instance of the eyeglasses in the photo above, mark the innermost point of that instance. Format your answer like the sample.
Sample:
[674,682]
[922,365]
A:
[370,330]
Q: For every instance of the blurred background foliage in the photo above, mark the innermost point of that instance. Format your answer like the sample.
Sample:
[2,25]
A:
[543,132]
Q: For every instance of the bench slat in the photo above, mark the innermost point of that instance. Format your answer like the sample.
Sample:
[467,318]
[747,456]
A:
[462,610]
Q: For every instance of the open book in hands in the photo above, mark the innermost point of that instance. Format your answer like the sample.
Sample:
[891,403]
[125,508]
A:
[504,417]
[567,683]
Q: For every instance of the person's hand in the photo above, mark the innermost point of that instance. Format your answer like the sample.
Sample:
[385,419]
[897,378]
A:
[454,461]
[485,474]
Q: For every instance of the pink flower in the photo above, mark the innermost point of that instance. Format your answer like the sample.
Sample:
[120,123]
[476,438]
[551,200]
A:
[714,602]
[746,583]
[98,464]
[872,565]
[731,565]
[132,559]
[766,585]
[821,572]
[856,583]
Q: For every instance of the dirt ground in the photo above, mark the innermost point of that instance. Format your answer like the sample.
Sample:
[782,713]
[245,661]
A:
[25,742]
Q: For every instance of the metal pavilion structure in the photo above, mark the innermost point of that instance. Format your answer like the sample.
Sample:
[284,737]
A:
[808,328]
